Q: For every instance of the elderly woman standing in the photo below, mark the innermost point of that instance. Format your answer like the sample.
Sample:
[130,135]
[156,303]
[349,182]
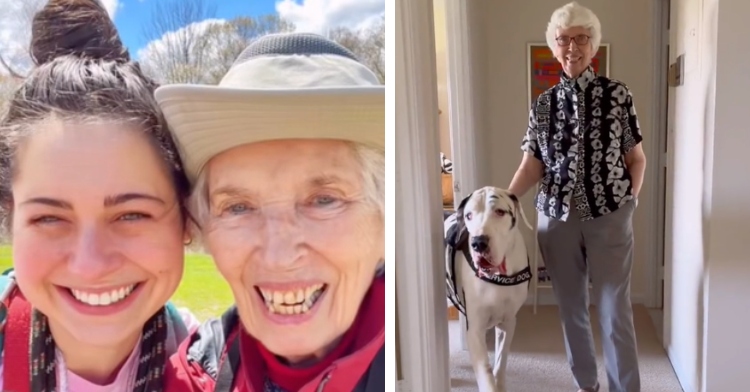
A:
[584,143]
[286,157]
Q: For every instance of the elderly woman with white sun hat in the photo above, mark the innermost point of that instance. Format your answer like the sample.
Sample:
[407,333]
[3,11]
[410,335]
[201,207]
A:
[583,143]
[286,159]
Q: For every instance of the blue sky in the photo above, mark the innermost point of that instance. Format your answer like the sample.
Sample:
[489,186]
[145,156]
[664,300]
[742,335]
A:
[130,16]
[133,14]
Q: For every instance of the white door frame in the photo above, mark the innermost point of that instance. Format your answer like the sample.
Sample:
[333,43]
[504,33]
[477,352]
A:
[669,183]
[460,110]
[419,230]
[658,159]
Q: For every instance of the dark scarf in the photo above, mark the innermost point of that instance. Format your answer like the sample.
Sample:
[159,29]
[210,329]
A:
[149,377]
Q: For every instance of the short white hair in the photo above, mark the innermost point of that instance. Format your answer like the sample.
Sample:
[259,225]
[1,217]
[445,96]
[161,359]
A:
[372,166]
[574,15]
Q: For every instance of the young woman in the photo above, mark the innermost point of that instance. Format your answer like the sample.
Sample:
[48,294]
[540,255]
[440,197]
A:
[91,191]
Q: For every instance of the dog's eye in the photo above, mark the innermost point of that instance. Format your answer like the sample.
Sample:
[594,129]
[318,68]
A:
[500,212]
[468,216]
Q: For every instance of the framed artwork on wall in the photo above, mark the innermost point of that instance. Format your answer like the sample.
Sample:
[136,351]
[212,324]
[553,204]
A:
[543,70]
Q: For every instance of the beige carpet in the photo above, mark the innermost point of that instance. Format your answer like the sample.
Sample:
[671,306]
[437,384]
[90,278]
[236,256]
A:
[538,362]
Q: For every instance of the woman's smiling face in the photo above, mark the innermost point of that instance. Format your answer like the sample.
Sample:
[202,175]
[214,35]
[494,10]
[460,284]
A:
[98,234]
[292,231]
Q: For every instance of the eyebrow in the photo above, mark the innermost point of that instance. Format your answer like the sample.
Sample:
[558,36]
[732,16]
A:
[228,190]
[324,180]
[48,201]
[319,181]
[109,201]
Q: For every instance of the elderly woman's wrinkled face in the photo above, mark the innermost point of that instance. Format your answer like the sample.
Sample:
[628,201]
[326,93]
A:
[293,232]
[573,49]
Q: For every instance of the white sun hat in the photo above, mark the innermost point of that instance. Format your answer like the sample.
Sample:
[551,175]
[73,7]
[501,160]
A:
[282,86]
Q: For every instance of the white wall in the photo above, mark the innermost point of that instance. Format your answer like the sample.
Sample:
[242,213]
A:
[441,68]
[707,297]
[683,293]
[727,291]
[477,62]
[502,31]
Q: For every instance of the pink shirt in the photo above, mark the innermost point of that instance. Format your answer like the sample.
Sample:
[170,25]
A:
[128,369]
[120,384]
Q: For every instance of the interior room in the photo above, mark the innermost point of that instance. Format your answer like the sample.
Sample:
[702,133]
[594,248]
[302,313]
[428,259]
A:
[476,62]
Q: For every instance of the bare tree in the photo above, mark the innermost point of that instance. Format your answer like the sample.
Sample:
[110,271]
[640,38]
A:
[8,86]
[226,41]
[15,58]
[375,44]
[367,44]
[175,31]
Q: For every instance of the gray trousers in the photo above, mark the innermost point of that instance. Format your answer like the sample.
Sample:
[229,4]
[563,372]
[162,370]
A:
[601,249]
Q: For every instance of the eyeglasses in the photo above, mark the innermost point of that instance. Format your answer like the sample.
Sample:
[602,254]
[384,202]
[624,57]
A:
[580,39]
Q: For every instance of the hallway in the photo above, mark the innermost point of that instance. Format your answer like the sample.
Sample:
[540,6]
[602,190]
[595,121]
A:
[538,363]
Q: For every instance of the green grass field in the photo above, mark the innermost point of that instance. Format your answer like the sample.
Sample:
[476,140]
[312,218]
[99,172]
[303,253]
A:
[202,290]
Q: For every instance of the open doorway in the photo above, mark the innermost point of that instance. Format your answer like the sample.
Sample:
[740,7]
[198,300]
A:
[463,130]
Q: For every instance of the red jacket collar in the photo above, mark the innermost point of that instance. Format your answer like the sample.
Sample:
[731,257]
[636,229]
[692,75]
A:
[345,372]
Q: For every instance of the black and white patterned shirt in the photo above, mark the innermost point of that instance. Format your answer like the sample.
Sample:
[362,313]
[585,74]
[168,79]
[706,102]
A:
[581,130]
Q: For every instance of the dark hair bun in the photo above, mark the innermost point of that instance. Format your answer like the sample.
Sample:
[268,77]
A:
[75,27]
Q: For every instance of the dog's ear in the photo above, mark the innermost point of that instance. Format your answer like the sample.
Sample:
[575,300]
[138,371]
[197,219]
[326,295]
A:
[460,210]
[516,208]
[463,236]
[462,205]
[519,211]
[513,197]
[461,232]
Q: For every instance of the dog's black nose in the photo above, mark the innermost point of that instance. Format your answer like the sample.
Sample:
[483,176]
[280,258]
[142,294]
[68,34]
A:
[480,243]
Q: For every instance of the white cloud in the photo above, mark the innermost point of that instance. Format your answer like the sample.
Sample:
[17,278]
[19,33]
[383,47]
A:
[155,56]
[318,16]
[172,38]
[15,29]
[112,6]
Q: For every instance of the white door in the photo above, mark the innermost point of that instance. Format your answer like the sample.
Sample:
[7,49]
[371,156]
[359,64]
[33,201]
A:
[419,275]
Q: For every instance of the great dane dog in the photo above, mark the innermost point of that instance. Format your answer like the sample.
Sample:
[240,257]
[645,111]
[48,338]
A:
[488,275]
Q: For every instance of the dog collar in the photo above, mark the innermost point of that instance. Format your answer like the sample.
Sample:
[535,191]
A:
[500,279]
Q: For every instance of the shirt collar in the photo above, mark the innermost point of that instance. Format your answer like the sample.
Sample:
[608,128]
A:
[581,82]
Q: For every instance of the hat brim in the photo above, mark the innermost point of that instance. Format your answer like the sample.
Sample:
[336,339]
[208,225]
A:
[208,120]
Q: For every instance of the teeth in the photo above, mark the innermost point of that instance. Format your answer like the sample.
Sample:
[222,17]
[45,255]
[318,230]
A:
[289,297]
[291,302]
[103,299]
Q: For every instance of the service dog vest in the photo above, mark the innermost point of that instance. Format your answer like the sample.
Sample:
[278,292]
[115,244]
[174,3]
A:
[453,245]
